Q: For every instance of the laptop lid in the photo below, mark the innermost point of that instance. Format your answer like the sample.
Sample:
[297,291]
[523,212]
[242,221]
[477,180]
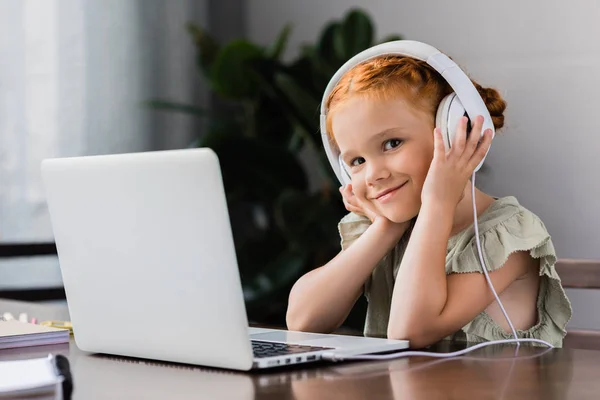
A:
[147,256]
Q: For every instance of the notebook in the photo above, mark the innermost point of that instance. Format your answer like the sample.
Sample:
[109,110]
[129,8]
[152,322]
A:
[14,333]
[43,378]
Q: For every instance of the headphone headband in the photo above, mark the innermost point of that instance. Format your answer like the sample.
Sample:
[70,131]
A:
[458,80]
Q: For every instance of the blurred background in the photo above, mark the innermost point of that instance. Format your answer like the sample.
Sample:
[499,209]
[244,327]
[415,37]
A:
[245,77]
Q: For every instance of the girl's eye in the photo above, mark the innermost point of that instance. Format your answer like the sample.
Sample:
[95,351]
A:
[391,144]
[357,161]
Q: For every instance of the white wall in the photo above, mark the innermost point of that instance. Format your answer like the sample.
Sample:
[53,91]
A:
[544,57]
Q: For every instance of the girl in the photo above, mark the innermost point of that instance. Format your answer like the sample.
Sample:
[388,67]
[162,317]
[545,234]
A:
[408,242]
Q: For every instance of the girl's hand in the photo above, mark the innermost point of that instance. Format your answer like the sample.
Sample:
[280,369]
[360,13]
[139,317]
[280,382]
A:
[352,204]
[449,172]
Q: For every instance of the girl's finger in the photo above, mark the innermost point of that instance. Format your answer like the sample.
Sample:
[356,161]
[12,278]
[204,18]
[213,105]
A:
[355,210]
[352,206]
[353,202]
[348,196]
[346,193]
[439,150]
[461,136]
[482,150]
[475,136]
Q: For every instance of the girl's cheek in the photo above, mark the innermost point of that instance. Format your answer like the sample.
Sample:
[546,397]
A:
[361,195]
[357,186]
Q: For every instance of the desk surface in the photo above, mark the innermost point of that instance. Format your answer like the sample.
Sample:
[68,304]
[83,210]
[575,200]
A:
[495,373]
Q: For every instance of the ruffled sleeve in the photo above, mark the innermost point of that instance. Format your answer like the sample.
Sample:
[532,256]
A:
[520,230]
[508,230]
[351,227]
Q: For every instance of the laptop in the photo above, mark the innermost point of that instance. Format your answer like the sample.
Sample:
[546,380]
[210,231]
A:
[149,265]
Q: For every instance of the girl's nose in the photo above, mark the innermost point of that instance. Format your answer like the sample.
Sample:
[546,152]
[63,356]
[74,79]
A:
[376,171]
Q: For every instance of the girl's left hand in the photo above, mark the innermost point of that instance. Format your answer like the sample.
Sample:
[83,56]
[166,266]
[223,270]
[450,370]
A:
[352,203]
[450,171]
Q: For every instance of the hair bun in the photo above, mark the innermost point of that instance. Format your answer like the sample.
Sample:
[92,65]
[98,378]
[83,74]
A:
[494,103]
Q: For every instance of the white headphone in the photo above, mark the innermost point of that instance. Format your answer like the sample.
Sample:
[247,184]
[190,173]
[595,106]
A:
[465,100]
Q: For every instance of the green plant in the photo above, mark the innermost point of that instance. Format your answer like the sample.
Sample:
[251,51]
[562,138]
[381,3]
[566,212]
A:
[284,227]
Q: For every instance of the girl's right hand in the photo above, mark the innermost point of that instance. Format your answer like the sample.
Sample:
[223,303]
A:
[353,205]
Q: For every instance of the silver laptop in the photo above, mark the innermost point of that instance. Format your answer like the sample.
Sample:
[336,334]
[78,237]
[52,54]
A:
[149,266]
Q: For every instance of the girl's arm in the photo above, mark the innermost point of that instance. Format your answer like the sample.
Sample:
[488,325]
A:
[321,300]
[427,305]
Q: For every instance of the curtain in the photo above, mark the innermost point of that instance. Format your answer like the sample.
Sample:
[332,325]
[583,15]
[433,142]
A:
[74,76]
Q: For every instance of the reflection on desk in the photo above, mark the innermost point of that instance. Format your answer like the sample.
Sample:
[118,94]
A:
[107,377]
[505,373]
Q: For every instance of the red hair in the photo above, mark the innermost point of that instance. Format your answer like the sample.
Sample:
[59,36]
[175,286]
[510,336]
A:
[388,77]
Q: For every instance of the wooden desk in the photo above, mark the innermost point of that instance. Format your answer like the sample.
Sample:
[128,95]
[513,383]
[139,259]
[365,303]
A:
[538,374]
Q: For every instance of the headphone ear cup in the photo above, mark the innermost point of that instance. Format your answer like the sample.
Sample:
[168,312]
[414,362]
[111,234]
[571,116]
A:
[449,112]
[345,171]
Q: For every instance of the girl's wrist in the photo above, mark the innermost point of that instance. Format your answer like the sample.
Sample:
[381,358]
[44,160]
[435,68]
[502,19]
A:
[441,214]
[437,207]
[390,230]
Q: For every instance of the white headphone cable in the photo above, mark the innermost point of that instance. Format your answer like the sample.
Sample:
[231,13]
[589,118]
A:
[332,356]
[482,262]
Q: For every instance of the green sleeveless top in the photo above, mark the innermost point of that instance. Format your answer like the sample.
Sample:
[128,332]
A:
[504,227]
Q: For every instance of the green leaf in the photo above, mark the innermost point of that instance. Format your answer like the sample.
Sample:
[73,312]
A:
[268,78]
[272,122]
[280,43]
[308,220]
[216,120]
[232,74]
[325,170]
[255,169]
[220,133]
[291,212]
[326,48]
[354,35]
[307,50]
[306,106]
[206,46]
[257,248]
[304,72]
[277,275]
[296,141]
[178,107]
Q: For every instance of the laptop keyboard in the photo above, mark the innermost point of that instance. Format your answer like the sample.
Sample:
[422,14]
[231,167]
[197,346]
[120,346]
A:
[269,349]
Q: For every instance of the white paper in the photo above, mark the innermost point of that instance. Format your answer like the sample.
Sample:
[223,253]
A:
[27,375]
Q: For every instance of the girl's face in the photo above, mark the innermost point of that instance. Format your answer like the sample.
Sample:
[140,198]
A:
[388,145]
